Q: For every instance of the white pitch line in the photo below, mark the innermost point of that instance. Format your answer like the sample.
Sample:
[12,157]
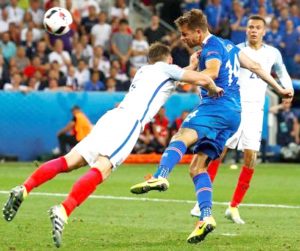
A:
[229,234]
[110,197]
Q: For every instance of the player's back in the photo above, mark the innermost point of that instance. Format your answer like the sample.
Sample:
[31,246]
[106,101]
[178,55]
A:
[227,53]
[150,88]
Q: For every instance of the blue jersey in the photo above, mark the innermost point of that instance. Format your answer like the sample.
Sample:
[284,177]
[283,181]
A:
[216,119]
[227,53]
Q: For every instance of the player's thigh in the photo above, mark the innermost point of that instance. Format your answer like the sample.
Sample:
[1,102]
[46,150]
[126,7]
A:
[114,136]
[252,130]
[186,135]
[233,141]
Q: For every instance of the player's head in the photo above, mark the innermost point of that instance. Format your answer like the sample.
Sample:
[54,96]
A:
[159,52]
[256,29]
[75,108]
[193,27]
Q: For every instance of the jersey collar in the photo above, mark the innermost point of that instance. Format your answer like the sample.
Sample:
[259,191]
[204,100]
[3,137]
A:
[206,39]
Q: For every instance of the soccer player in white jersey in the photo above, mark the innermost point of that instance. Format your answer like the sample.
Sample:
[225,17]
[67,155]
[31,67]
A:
[112,138]
[253,91]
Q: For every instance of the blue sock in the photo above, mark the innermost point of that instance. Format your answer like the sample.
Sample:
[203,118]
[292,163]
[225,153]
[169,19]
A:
[171,156]
[203,190]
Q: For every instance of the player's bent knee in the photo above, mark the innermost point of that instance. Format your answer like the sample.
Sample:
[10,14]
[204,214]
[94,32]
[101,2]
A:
[104,165]
[186,135]
[198,164]
[250,158]
[74,160]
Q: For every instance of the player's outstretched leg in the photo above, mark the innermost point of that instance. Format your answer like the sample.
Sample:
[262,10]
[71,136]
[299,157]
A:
[11,207]
[232,213]
[158,184]
[203,227]
[58,218]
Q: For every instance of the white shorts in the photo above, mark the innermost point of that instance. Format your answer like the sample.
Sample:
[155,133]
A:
[248,135]
[114,136]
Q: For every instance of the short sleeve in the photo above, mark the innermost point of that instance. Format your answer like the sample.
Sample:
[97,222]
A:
[174,71]
[212,52]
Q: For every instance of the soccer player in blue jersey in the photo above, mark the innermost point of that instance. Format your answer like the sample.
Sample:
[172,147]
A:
[212,122]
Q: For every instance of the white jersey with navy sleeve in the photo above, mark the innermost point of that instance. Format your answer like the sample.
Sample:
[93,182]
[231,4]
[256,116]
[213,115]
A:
[252,87]
[117,131]
[253,91]
[150,89]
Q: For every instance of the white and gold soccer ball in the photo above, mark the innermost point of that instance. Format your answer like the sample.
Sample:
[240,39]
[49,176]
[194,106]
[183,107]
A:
[57,21]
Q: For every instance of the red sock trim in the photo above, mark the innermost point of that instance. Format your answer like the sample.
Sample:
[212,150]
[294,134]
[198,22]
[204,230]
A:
[64,166]
[82,189]
[213,169]
[242,186]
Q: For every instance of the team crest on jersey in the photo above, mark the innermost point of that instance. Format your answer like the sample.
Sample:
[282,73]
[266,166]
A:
[229,47]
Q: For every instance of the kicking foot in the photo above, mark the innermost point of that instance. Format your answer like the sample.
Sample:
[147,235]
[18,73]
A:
[159,184]
[11,207]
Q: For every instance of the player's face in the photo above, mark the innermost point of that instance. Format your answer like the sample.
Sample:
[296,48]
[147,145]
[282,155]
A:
[255,31]
[191,37]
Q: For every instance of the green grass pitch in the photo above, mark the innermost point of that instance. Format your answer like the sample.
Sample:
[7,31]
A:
[118,223]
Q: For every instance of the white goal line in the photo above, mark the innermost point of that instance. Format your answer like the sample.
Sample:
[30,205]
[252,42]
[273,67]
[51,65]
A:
[110,197]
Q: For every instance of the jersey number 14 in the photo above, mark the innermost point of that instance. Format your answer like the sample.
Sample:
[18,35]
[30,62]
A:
[233,66]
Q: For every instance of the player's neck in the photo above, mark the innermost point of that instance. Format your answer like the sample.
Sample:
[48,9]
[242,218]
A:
[206,36]
[255,46]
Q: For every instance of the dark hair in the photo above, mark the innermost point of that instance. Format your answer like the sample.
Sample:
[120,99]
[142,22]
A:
[257,17]
[194,19]
[75,107]
[158,52]
[123,21]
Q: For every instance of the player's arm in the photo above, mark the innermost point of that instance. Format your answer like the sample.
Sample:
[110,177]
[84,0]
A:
[281,72]
[67,128]
[194,61]
[195,78]
[255,67]
[203,80]
[212,68]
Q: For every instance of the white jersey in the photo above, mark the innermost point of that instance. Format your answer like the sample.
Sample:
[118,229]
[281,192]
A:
[253,91]
[151,86]
[252,88]
[117,131]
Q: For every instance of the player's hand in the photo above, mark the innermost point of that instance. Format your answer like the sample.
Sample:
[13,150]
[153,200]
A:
[217,92]
[287,95]
[194,60]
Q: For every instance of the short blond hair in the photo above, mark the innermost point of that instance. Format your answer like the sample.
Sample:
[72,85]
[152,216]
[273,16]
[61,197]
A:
[194,19]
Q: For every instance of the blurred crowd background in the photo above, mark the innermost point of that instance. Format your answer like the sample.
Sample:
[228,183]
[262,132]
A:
[109,40]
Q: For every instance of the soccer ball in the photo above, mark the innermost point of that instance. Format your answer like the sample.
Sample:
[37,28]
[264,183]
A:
[57,21]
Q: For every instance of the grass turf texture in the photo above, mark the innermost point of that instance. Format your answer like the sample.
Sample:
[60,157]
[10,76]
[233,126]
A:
[111,224]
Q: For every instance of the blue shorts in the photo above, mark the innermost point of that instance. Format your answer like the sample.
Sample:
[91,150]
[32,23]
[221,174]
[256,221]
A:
[214,124]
